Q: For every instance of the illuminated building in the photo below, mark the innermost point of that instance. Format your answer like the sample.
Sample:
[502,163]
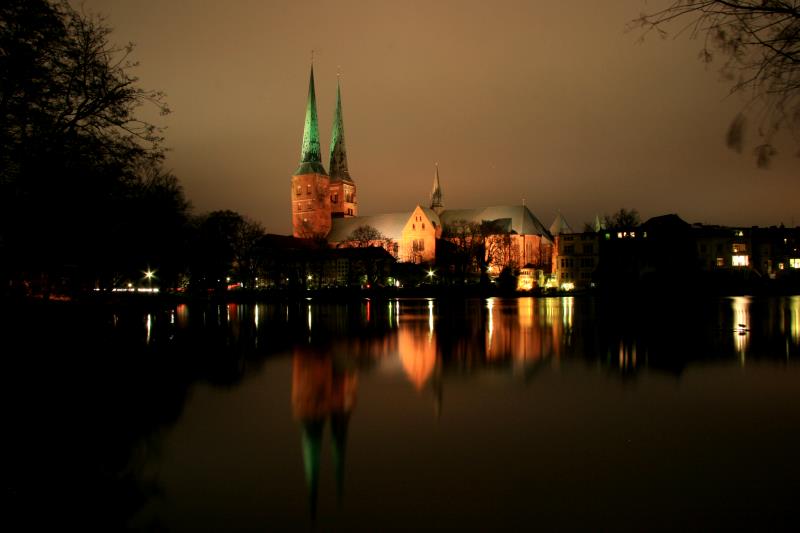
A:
[325,206]
[575,255]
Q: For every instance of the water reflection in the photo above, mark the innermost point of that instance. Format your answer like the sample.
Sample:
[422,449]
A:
[129,404]
[741,321]
[323,391]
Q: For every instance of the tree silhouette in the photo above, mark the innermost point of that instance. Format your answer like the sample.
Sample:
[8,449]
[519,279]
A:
[760,43]
[80,172]
[622,219]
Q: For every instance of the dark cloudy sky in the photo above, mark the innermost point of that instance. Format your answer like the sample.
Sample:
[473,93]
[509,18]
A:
[548,101]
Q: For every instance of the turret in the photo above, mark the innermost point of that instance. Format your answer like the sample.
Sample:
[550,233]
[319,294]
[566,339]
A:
[436,193]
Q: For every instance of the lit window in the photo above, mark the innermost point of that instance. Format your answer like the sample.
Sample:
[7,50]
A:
[780,266]
[633,234]
[308,189]
[619,235]
[298,190]
[740,260]
[720,261]
[794,262]
[739,248]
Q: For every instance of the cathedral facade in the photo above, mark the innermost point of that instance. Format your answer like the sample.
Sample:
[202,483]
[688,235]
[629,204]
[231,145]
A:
[325,206]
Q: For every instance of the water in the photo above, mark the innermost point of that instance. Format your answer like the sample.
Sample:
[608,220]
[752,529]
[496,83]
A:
[555,413]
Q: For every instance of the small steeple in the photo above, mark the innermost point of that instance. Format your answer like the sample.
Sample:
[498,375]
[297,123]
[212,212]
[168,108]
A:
[436,193]
[310,153]
[338,160]
[560,226]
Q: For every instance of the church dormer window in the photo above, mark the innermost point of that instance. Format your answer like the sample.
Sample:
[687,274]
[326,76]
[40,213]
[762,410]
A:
[308,189]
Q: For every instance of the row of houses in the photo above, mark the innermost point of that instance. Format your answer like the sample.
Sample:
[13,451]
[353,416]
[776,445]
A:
[668,249]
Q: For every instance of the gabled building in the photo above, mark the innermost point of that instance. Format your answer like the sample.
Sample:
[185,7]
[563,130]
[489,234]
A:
[325,206]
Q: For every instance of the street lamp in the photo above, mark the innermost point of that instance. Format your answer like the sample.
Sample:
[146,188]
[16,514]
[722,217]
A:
[148,275]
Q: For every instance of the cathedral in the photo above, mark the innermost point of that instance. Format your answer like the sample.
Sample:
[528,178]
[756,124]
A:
[325,206]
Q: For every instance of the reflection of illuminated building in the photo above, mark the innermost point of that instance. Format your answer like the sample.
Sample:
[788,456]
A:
[794,318]
[741,324]
[527,329]
[417,354]
[417,347]
[320,392]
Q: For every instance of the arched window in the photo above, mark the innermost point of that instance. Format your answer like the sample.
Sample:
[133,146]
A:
[308,188]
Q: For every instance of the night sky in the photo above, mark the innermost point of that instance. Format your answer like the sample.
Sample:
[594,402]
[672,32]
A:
[553,102]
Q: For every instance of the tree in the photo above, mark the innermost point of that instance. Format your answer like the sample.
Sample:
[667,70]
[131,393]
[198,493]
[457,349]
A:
[77,165]
[622,219]
[366,236]
[226,244]
[760,43]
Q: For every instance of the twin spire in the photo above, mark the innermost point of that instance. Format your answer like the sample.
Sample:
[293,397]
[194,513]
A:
[310,152]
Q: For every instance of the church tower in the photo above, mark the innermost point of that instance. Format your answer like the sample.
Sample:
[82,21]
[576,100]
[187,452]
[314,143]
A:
[311,203]
[436,194]
[343,188]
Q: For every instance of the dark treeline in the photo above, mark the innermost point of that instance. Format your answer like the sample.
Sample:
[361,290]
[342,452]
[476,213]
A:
[85,199]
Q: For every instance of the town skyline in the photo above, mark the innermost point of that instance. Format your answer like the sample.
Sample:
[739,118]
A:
[523,113]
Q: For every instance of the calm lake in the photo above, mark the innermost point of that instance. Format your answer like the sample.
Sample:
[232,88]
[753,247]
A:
[411,414]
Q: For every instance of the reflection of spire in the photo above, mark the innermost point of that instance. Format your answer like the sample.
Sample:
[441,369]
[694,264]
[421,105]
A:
[320,390]
[339,424]
[312,444]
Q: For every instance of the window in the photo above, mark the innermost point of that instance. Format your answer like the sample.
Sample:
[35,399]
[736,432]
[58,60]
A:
[423,225]
[588,248]
[414,227]
[418,245]
[739,248]
[720,261]
[298,190]
[308,188]
[740,260]
[794,262]
[568,237]
[335,198]
[587,262]
[569,249]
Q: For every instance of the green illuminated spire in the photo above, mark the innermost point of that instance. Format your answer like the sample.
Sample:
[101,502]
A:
[436,193]
[310,154]
[338,161]
[312,445]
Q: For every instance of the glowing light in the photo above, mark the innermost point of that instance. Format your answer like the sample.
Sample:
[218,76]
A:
[256,317]
[740,260]
[309,318]
[490,325]
[794,319]
[149,274]
[567,286]
[148,326]
[430,316]
[741,324]
[567,310]
[794,262]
